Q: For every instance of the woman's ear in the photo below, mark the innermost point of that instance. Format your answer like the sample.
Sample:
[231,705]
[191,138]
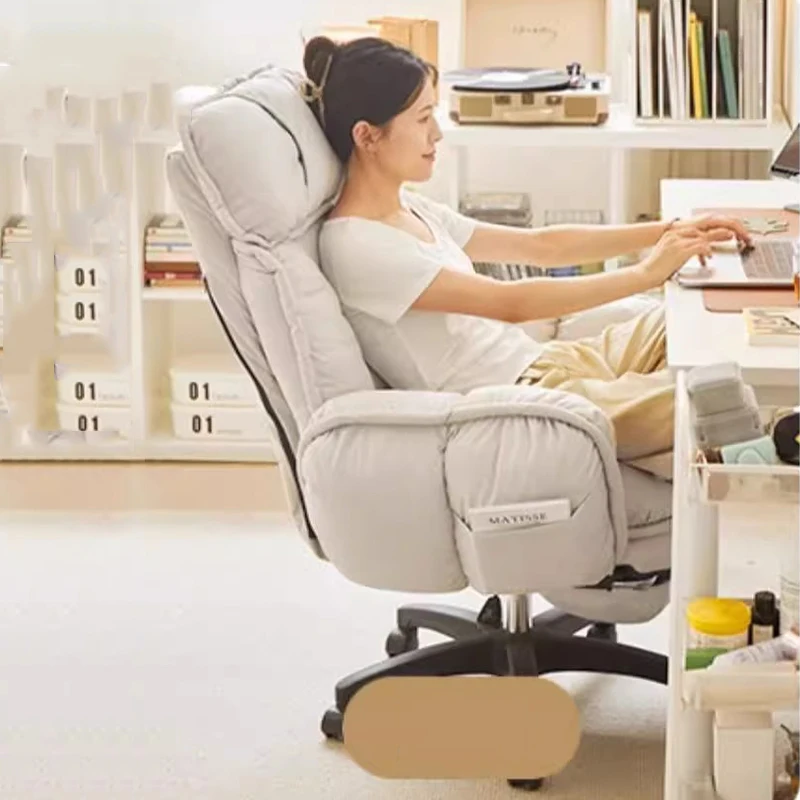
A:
[365,136]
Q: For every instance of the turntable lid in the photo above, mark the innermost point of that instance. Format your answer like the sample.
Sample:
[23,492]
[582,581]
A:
[508,79]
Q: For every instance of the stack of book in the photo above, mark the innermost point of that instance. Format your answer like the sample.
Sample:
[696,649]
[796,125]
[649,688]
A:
[17,231]
[169,257]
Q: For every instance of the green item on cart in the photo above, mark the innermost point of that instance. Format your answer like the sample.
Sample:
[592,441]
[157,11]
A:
[702,657]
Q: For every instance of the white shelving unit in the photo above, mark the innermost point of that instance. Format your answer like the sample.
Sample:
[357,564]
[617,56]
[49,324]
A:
[90,180]
[625,130]
[696,696]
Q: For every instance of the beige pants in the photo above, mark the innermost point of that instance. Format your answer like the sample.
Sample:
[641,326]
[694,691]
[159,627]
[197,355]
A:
[623,372]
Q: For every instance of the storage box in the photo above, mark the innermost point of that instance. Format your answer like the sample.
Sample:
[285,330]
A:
[548,34]
[220,422]
[75,274]
[210,380]
[91,384]
[106,420]
[420,36]
[81,310]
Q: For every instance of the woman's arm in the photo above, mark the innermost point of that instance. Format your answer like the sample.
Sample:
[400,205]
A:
[529,299]
[544,298]
[560,245]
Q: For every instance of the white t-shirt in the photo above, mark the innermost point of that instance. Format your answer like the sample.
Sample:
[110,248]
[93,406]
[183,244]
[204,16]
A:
[378,271]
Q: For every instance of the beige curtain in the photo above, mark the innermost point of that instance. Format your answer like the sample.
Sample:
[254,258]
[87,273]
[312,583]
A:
[647,168]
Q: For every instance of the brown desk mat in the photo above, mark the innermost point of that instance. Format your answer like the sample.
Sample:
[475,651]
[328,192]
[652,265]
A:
[734,300]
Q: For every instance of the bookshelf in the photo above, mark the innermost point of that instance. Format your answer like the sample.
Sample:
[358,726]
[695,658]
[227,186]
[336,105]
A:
[97,365]
[702,61]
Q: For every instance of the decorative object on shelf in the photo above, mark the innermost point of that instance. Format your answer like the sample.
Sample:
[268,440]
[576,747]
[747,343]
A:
[717,622]
[213,398]
[525,96]
[532,64]
[785,431]
[765,624]
[420,36]
[208,380]
[724,408]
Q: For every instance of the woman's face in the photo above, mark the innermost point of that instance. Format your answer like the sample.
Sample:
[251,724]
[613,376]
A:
[406,147]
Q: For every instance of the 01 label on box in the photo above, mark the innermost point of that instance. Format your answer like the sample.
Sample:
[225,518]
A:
[519,515]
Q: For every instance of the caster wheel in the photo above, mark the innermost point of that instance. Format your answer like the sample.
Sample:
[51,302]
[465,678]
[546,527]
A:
[526,784]
[602,630]
[332,724]
[400,641]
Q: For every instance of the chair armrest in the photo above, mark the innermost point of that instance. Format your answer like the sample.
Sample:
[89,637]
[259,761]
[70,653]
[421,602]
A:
[390,479]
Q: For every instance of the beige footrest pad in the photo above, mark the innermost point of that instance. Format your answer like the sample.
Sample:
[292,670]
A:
[462,727]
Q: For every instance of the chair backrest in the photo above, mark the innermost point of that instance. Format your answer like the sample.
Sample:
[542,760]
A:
[252,179]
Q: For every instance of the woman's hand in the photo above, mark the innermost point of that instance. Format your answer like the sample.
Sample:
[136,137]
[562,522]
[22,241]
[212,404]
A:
[708,223]
[674,249]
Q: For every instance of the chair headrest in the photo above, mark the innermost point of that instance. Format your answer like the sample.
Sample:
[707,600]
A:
[263,161]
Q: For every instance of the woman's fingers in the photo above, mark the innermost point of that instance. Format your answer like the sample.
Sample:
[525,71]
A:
[719,234]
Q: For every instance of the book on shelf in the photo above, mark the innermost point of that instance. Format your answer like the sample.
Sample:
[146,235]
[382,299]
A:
[669,49]
[186,267]
[165,222]
[728,75]
[170,283]
[171,275]
[177,256]
[644,18]
[772,327]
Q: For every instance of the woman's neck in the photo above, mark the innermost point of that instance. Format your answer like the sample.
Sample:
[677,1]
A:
[369,193]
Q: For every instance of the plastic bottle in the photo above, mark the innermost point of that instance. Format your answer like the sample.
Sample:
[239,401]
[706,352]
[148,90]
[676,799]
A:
[764,625]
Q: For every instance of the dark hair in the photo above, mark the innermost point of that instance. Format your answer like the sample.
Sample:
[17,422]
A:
[367,79]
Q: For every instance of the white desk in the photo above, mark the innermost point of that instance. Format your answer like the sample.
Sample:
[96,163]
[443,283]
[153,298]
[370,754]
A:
[697,337]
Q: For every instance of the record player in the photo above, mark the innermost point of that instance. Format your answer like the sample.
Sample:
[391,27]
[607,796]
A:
[528,96]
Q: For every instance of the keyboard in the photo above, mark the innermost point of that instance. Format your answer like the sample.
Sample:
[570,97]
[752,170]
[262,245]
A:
[773,260]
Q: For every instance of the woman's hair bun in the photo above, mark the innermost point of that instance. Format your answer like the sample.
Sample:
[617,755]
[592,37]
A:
[317,53]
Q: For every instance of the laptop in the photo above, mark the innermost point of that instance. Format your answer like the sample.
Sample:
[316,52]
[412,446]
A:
[787,163]
[769,263]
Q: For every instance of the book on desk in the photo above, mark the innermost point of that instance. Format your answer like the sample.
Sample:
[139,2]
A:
[772,327]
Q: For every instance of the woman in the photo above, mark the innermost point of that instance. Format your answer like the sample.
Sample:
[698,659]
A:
[402,265]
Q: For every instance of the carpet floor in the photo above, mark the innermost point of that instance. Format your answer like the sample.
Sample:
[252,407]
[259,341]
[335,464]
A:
[158,657]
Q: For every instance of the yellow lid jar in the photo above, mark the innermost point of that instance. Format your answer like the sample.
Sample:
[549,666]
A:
[718,622]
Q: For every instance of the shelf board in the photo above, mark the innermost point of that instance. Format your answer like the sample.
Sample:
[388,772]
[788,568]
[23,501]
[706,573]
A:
[623,131]
[765,687]
[168,448]
[69,451]
[193,293]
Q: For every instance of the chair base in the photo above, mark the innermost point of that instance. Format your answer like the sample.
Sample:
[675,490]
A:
[482,644]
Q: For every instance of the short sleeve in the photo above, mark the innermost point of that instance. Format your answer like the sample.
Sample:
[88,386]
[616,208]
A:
[377,272]
[458,225]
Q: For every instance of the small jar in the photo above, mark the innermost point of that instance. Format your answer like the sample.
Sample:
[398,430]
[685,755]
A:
[718,622]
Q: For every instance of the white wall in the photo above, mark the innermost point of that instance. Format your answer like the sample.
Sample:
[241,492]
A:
[102,46]
[97,47]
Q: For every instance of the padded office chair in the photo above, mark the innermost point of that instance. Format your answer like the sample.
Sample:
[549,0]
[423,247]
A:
[381,482]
